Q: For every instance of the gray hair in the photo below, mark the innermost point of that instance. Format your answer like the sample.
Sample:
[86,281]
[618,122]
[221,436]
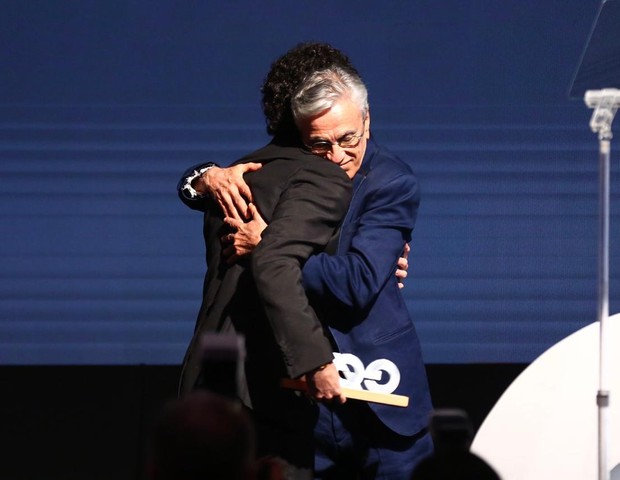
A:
[322,89]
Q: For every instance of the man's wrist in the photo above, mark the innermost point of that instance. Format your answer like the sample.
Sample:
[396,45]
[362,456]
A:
[188,189]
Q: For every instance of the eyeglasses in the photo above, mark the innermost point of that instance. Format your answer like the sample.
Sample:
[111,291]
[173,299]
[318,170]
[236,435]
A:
[350,140]
[322,146]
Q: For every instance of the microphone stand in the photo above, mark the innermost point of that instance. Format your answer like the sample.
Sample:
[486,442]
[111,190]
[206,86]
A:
[605,104]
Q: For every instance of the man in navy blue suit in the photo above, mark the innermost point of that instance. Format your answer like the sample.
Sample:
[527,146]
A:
[353,286]
[356,288]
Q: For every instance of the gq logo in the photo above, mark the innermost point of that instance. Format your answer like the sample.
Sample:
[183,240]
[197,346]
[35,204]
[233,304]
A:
[355,375]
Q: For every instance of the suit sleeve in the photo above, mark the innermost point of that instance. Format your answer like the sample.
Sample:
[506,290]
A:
[306,216]
[355,278]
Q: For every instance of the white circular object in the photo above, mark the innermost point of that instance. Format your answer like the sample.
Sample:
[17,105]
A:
[545,425]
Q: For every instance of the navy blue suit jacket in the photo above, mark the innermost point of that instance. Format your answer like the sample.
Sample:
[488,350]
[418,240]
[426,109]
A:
[356,288]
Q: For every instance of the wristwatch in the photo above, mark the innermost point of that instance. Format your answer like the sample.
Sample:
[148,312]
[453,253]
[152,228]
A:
[187,188]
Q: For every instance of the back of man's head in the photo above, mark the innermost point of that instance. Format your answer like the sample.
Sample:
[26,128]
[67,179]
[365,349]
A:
[285,77]
[202,436]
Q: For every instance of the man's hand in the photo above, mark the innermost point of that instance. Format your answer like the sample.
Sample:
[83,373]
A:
[402,265]
[228,188]
[245,237]
[324,384]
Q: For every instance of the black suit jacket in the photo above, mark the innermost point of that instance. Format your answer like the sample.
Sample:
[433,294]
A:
[303,198]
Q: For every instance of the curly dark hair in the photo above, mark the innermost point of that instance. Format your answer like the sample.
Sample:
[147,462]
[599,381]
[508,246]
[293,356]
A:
[286,75]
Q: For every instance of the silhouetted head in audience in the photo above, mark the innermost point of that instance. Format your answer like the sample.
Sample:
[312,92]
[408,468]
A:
[202,436]
[452,435]
[454,466]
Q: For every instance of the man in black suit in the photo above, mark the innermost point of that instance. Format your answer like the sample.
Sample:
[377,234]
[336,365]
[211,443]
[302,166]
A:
[303,198]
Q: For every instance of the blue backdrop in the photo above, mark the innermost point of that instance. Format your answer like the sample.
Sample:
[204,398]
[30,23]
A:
[104,103]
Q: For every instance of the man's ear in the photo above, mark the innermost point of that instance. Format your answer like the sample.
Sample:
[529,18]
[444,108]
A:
[367,130]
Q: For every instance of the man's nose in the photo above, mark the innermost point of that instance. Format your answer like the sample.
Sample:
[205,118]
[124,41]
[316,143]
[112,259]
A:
[335,153]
